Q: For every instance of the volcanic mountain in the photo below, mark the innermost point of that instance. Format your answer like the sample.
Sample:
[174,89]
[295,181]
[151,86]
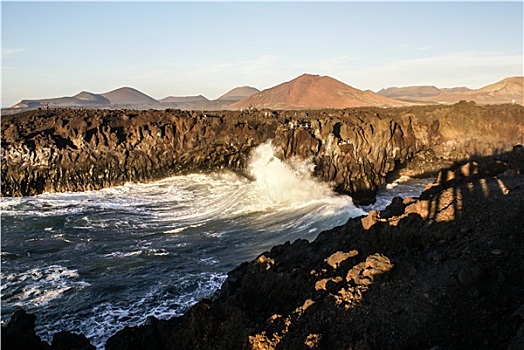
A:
[123,97]
[129,96]
[314,91]
[91,98]
[201,103]
[82,99]
[239,93]
[410,92]
[183,99]
[509,90]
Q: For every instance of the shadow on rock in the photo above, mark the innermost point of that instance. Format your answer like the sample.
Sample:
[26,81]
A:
[443,271]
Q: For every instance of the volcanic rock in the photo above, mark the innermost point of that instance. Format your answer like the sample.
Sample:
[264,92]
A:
[19,334]
[410,281]
[68,341]
[355,149]
[423,278]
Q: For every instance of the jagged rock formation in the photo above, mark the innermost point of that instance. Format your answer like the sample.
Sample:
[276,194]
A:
[72,150]
[19,334]
[444,271]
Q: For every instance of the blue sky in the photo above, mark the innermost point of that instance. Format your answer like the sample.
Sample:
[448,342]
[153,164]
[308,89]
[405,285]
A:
[52,49]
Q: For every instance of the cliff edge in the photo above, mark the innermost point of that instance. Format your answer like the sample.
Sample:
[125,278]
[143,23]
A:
[442,271]
[355,149]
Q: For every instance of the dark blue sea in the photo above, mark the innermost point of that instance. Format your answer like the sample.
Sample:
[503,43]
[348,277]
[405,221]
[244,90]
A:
[94,262]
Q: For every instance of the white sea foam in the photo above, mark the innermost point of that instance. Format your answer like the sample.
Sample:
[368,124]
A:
[41,285]
[165,302]
[278,186]
[401,187]
[148,252]
[183,202]
[400,180]
[208,221]
[182,229]
[284,184]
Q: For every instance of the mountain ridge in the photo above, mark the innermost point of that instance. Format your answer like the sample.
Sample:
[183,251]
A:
[183,99]
[307,91]
[128,96]
[507,90]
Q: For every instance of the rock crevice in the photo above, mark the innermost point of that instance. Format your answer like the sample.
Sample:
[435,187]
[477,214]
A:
[355,149]
[440,271]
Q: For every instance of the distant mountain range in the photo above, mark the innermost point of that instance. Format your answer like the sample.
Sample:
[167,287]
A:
[304,92]
[509,90]
[414,92]
[127,97]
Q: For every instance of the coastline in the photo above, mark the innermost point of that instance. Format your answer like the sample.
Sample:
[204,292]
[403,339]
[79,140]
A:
[422,273]
[355,149]
[441,271]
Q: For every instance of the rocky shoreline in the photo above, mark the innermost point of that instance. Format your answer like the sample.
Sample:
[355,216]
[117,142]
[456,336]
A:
[355,149]
[442,271]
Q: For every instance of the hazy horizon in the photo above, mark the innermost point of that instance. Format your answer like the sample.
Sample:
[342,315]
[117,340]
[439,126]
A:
[183,49]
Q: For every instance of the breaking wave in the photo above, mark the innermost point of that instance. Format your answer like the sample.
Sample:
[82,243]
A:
[125,253]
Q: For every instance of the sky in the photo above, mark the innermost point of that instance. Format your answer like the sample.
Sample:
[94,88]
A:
[55,49]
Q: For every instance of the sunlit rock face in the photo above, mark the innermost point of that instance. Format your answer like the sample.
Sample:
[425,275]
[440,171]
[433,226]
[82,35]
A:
[354,149]
[422,271]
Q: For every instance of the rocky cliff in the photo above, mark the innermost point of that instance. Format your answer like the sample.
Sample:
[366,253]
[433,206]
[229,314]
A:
[355,149]
[443,271]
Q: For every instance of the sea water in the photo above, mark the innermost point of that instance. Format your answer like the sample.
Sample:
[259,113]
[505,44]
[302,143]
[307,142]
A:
[94,262]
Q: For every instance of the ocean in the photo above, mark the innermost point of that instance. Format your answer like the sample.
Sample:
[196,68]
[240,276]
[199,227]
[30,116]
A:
[93,262]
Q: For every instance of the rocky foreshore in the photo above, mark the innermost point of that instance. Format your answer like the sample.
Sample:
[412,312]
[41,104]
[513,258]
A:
[355,149]
[442,271]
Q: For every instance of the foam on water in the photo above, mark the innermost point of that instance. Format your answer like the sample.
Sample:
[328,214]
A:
[403,187]
[161,301]
[38,286]
[124,253]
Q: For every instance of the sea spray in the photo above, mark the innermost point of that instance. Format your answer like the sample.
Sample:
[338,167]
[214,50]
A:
[137,250]
[289,183]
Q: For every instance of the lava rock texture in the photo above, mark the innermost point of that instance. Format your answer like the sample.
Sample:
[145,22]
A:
[19,334]
[355,149]
[444,271]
